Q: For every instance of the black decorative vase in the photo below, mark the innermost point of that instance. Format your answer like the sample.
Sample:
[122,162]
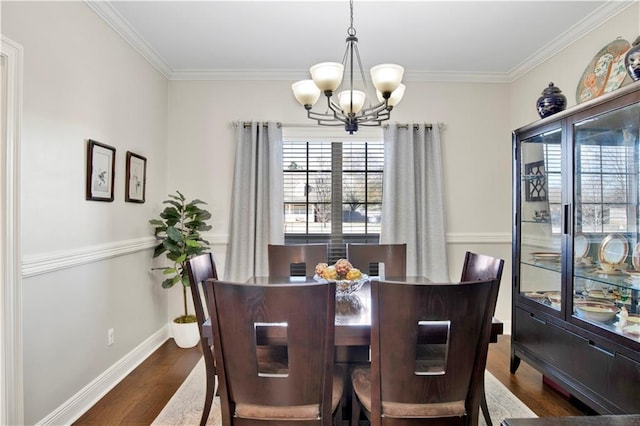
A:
[632,60]
[551,101]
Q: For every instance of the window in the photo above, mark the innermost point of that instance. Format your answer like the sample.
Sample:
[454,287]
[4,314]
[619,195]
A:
[553,167]
[604,187]
[332,192]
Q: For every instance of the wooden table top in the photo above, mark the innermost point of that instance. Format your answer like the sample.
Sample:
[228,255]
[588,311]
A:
[353,313]
[618,420]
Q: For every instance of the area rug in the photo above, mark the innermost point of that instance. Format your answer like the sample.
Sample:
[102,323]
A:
[185,407]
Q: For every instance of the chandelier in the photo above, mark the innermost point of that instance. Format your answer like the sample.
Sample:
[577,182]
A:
[348,109]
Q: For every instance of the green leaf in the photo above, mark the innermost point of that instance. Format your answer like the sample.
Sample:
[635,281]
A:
[181,258]
[168,271]
[174,234]
[185,281]
[170,282]
[160,248]
[192,243]
[171,247]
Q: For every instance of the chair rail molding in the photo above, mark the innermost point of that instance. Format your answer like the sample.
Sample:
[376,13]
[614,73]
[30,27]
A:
[479,238]
[44,263]
[11,369]
[53,261]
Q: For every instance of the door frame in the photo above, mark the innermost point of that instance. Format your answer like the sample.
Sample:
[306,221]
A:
[11,364]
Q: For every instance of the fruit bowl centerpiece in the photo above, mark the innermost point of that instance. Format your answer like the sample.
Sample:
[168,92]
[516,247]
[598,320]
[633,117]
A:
[347,278]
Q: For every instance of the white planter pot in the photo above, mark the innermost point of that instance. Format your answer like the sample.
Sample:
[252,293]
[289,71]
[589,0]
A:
[186,335]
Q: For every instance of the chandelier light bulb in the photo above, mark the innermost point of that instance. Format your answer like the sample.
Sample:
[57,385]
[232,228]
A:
[306,92]
[351,101]
[396,96]
[327,75]
[387,77]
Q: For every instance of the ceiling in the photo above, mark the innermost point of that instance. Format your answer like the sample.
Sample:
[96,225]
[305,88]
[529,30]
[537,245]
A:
[275,40]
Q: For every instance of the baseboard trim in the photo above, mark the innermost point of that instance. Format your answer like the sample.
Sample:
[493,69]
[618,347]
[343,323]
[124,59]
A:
[79,403]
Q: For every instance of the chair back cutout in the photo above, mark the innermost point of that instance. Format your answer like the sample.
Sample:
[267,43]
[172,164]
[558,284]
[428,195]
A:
[300,257]
[392,256]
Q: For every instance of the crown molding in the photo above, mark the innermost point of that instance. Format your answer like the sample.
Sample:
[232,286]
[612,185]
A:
[588,24]
[111,16]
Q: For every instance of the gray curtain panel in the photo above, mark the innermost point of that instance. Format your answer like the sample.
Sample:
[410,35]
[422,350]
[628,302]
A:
[413,201]
[257,217]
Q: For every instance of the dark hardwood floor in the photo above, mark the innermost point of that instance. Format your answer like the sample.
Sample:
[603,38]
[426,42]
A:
[140,397]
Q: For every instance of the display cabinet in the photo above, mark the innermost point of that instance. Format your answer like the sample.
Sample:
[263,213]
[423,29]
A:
[576,250]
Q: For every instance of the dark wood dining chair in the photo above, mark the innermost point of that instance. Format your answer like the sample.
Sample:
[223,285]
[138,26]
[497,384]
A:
[303,256]
[482,267]
[453,321]
[306,389]
[200,269]
[393,256]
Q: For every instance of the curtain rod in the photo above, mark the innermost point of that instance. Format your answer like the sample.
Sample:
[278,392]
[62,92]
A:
[415,126]
[246,124]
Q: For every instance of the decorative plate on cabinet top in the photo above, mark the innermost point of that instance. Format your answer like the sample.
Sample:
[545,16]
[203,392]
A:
[635,257]
[580,246]
[605,73]
[614,248]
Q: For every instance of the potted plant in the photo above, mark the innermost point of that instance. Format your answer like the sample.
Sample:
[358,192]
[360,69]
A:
[178,230]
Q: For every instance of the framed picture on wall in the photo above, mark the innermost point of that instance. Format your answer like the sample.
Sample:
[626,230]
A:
[100,171]
[136,179]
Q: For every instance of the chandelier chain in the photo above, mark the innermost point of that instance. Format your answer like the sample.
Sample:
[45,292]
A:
[351,30]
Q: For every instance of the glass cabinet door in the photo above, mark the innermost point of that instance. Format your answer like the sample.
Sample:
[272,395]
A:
[606,249]
[540,218]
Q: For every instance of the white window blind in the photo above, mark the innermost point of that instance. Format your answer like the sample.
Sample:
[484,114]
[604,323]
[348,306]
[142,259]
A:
[332,192]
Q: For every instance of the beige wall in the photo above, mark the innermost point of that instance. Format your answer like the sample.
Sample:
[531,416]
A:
[86,263]
[476,151]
